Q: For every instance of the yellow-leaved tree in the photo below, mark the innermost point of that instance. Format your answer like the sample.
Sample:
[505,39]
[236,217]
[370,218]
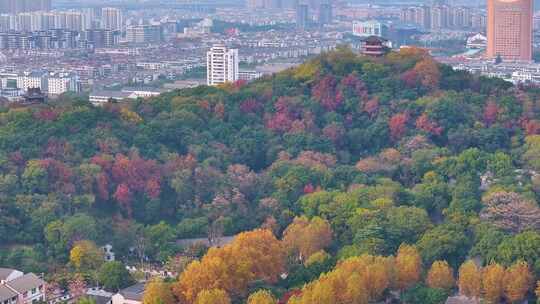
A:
[356,280]
[252,256]
[85,255]
[158,292]
[213,296]
[470,279]
[306,237]
[492,283]
[408,267]
[518,279]
[261,297]
[440,275]
[317,258]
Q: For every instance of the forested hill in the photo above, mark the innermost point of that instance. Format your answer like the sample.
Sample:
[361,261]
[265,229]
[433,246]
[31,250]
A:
[385,151]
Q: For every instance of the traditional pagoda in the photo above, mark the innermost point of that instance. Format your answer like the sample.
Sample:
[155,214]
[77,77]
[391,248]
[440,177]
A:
[374,46]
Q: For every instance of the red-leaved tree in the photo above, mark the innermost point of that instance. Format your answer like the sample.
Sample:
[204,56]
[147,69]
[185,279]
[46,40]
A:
[326,94]
[491,110]
[424,123]
[398,125]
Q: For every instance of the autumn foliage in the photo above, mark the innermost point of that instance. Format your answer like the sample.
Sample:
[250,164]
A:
[325,93]
[261,297]
[470,279]
[398,125]
[355,280]
[440,275]
[511,211]
[253,256]
[495,282]
[345,157]
[408,267]
[492,283]
[306,237]
[424,123]
[158,292]
[86,255]
[213,296]
[428,73]
[518,280]
[491,111]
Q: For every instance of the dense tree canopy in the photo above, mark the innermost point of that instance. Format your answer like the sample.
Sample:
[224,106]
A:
[344,164]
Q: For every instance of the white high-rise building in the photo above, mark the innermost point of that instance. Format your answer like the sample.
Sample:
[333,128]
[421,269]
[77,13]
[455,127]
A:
[369,28]
[32,80]
[88,18]
[7,22]
[59,83]
[24,22]
[111,18]
[221,65]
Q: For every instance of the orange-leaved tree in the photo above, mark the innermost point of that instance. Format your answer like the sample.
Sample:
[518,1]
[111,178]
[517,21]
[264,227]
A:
[429,73]
[470,279]
[518,279]
[408,266]
[261,297]
[252,256]
[213,296]
[158,292]
[359,280]
[440,275]
[492,283]
[306,237]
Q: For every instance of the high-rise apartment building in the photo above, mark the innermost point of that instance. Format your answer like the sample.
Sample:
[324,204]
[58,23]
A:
[21,6]
[7,22]
[325,13]
[509,29]
[478,21]
[221,65]
[289,4]
[99,38]
[33,80]
[369,28]
[144,34]
[439,17]
[420,15]
[272,4]
[111,18]
[302,16]
[70,20]
[59,83]
[263,4]
[255,4]
[460,17]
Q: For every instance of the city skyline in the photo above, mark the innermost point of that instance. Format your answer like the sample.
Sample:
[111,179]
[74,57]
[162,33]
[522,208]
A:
[19,6]
[260,31]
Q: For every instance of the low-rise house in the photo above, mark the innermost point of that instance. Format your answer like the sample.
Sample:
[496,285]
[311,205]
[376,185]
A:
[99,296]
[130,295]
[461,300]
[8,274]
[7,296]
[217,242]
[100,98]
[29,288]
[16,287]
